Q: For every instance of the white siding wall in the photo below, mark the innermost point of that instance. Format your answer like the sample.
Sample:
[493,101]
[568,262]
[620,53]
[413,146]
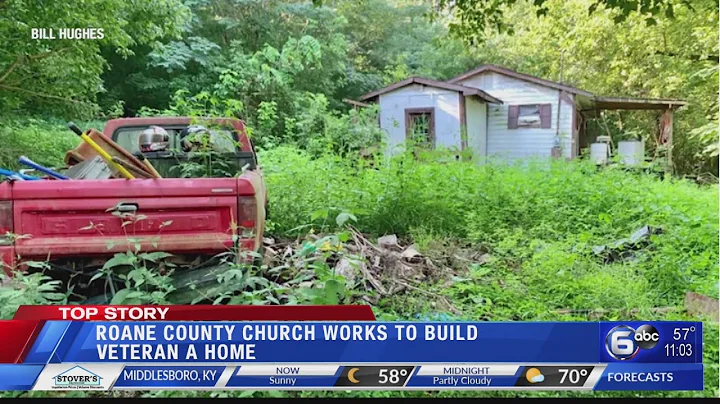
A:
[521,142]
[447,114]
[477,127]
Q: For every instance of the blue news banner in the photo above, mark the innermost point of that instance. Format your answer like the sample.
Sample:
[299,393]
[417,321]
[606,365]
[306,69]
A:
[360,355]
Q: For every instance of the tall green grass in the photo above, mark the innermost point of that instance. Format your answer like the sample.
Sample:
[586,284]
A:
[534,211]
[44,141]
[538,221]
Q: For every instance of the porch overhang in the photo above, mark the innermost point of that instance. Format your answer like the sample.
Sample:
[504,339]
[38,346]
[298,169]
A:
[637,103]
[591,107]
[597,104]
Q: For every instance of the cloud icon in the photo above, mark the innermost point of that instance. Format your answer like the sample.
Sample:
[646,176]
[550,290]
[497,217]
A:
[533,375]
[537,379]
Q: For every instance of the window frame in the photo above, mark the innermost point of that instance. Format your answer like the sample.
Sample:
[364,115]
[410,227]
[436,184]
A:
[178,128]
[545,119]
[410,112]
[536,125]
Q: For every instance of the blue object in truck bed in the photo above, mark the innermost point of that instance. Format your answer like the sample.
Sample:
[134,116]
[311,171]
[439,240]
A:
[11,174]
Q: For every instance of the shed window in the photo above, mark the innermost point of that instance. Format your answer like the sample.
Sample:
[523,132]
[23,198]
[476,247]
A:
[529,116]
[420,126]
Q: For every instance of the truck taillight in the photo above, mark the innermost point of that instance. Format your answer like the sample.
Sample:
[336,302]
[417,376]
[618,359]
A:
[6,222]
[247,212]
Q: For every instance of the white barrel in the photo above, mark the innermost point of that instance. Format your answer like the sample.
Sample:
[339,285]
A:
[632,152]
[599,152]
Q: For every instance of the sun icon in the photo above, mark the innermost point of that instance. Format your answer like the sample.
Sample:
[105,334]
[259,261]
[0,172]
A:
[533,375]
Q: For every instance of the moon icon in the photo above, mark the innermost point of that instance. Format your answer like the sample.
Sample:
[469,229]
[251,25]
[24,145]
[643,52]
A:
[351,375]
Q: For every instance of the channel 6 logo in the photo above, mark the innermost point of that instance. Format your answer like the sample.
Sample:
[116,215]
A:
[624,342]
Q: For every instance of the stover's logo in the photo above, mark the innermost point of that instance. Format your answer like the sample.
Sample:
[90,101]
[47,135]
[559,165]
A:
[77,377]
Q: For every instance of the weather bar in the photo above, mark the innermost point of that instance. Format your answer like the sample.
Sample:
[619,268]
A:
[449,376]
[521,377]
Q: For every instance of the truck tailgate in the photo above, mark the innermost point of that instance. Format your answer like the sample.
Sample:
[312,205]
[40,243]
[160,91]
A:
[71,218]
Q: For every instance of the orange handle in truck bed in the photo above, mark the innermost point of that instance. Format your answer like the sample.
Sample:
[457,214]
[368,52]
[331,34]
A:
[131,168]
[86,151]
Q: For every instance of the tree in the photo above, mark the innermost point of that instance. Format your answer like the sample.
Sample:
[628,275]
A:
[41,75]
[475,18]
[219,32]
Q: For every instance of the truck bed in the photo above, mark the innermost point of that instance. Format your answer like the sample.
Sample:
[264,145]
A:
[74,218]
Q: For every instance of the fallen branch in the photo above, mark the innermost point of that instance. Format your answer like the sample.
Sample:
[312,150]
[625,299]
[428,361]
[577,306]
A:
[697,58]
[443,299]
[361,240]
[660,310]
[48,54]
[22,58]
[10,69]
[366,273]
[54,97]
[374,282]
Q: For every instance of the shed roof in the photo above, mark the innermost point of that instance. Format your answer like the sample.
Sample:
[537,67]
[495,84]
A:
[598,102]
[521,76]
[466,91]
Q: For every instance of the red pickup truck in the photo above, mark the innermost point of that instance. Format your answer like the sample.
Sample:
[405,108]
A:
[71,225]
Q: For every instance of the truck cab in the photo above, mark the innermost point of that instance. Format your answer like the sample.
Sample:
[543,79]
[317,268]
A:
[229,138]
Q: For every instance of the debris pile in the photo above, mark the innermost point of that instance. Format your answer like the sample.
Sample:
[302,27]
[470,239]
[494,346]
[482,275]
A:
[97,157]
[376,269]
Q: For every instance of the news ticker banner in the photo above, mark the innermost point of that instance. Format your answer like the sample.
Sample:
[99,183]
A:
[446,376]
[86,347]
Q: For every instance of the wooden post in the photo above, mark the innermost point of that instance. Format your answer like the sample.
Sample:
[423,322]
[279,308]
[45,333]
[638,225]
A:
[666,134]
[463,122]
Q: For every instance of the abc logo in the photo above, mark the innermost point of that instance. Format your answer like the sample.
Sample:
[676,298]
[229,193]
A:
[624,342]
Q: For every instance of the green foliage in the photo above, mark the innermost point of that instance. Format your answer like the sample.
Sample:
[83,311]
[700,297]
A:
[221,36]
[139,277]
[202,164]
[357,42]
[707,135]
[41,140]
[285,66]
[538,224]
[63,75]
[200,105]
[29,289]
[307,123]
[290,64]
[475,18]
[204,160]
[266,82]
[537,218]
[136,276]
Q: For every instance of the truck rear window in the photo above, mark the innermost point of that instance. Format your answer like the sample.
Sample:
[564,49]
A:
[225,140]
